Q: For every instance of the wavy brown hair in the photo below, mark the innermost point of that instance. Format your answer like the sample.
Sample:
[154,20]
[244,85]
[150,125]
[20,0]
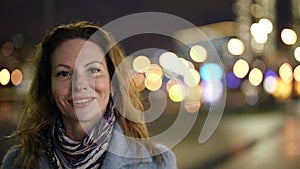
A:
[39,111]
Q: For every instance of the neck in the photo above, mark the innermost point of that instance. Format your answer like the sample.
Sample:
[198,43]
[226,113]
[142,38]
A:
[77,130]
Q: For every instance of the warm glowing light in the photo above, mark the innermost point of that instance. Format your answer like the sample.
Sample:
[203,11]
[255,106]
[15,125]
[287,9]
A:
[182,67]
[4,77]
[297,88]
[153,85]
[193,93]
[286,72]
[16,77]
[198,53]
[283,90]
[141,64]
[192,106]
[191,78]
[297,73]
[139,79]
[255,76]
[154,69]
[7,48]
[288,36]
[297,54]
[211,72]
[270,84]
[266,24]
[258,33]
[235,46]
[257,10]
[168,60]
[177,93]
[241,68]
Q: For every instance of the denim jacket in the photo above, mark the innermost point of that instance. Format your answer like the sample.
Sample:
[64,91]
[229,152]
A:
[118,156]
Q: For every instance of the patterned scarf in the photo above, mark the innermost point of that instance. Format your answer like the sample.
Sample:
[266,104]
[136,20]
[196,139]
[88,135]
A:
[88,153]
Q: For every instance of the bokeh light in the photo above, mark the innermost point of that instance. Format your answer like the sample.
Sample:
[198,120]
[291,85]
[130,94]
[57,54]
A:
[255,76]
[176,93]
[270,84]
[168,60]
[198,53]
[235,46]
[211,72]
[7,48]
[266,24]
[232,81]
[16,77]
[283,90]
[191,78]
[297,54]
[139,79]
[192,106]
[241,68]
[141,64]
[4,77]
[297,73]
[288,36]
[153,83]
[211,91]
[286,72]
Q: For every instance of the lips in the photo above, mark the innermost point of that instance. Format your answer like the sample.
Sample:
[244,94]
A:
[83,102]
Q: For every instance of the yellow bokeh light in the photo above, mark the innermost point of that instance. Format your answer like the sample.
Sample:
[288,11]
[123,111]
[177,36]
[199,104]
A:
[177,93]
[297,88]
[191,78]
[255,77]
[235,46]
[297,73]
[16,77]
[153,85]
[297,54]
[154,69]
[241,68]
[141,64]
[198,53]
[288,36]
[168,61]
[4,77]
[286,72]
[283,90]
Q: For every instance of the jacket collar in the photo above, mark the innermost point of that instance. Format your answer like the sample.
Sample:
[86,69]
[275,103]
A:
[122,151]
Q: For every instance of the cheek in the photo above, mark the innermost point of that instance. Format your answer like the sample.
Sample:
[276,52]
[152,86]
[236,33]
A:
[102,86]
[59,89]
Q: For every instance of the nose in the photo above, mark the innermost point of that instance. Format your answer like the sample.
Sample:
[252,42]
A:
[79,82]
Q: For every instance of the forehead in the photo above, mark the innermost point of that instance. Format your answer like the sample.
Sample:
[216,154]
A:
[77,51]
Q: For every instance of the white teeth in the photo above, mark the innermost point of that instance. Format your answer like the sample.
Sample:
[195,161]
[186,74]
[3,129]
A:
[81,101]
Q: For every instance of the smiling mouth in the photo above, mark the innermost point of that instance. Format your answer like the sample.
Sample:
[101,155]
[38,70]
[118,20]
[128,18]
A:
[80,103]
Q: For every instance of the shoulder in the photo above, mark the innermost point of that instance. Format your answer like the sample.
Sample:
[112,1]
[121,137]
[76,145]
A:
[9,159]
[169,157]
[122,154]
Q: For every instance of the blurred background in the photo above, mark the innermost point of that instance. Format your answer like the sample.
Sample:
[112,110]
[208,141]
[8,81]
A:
[257,78]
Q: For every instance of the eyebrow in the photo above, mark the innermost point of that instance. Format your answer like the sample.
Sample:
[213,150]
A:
[59,65]
[93,63]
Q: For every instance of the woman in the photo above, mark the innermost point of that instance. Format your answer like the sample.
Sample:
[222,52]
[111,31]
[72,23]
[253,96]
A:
[80,111]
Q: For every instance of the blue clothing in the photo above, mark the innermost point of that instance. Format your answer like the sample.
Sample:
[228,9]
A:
[118,156]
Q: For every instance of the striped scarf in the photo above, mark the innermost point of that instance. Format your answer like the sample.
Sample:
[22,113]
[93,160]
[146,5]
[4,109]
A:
[88,153]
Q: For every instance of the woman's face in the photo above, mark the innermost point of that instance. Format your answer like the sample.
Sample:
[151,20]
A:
[80,81]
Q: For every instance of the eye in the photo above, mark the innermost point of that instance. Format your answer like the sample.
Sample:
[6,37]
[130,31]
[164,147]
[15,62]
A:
[63,74]
[94,70]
